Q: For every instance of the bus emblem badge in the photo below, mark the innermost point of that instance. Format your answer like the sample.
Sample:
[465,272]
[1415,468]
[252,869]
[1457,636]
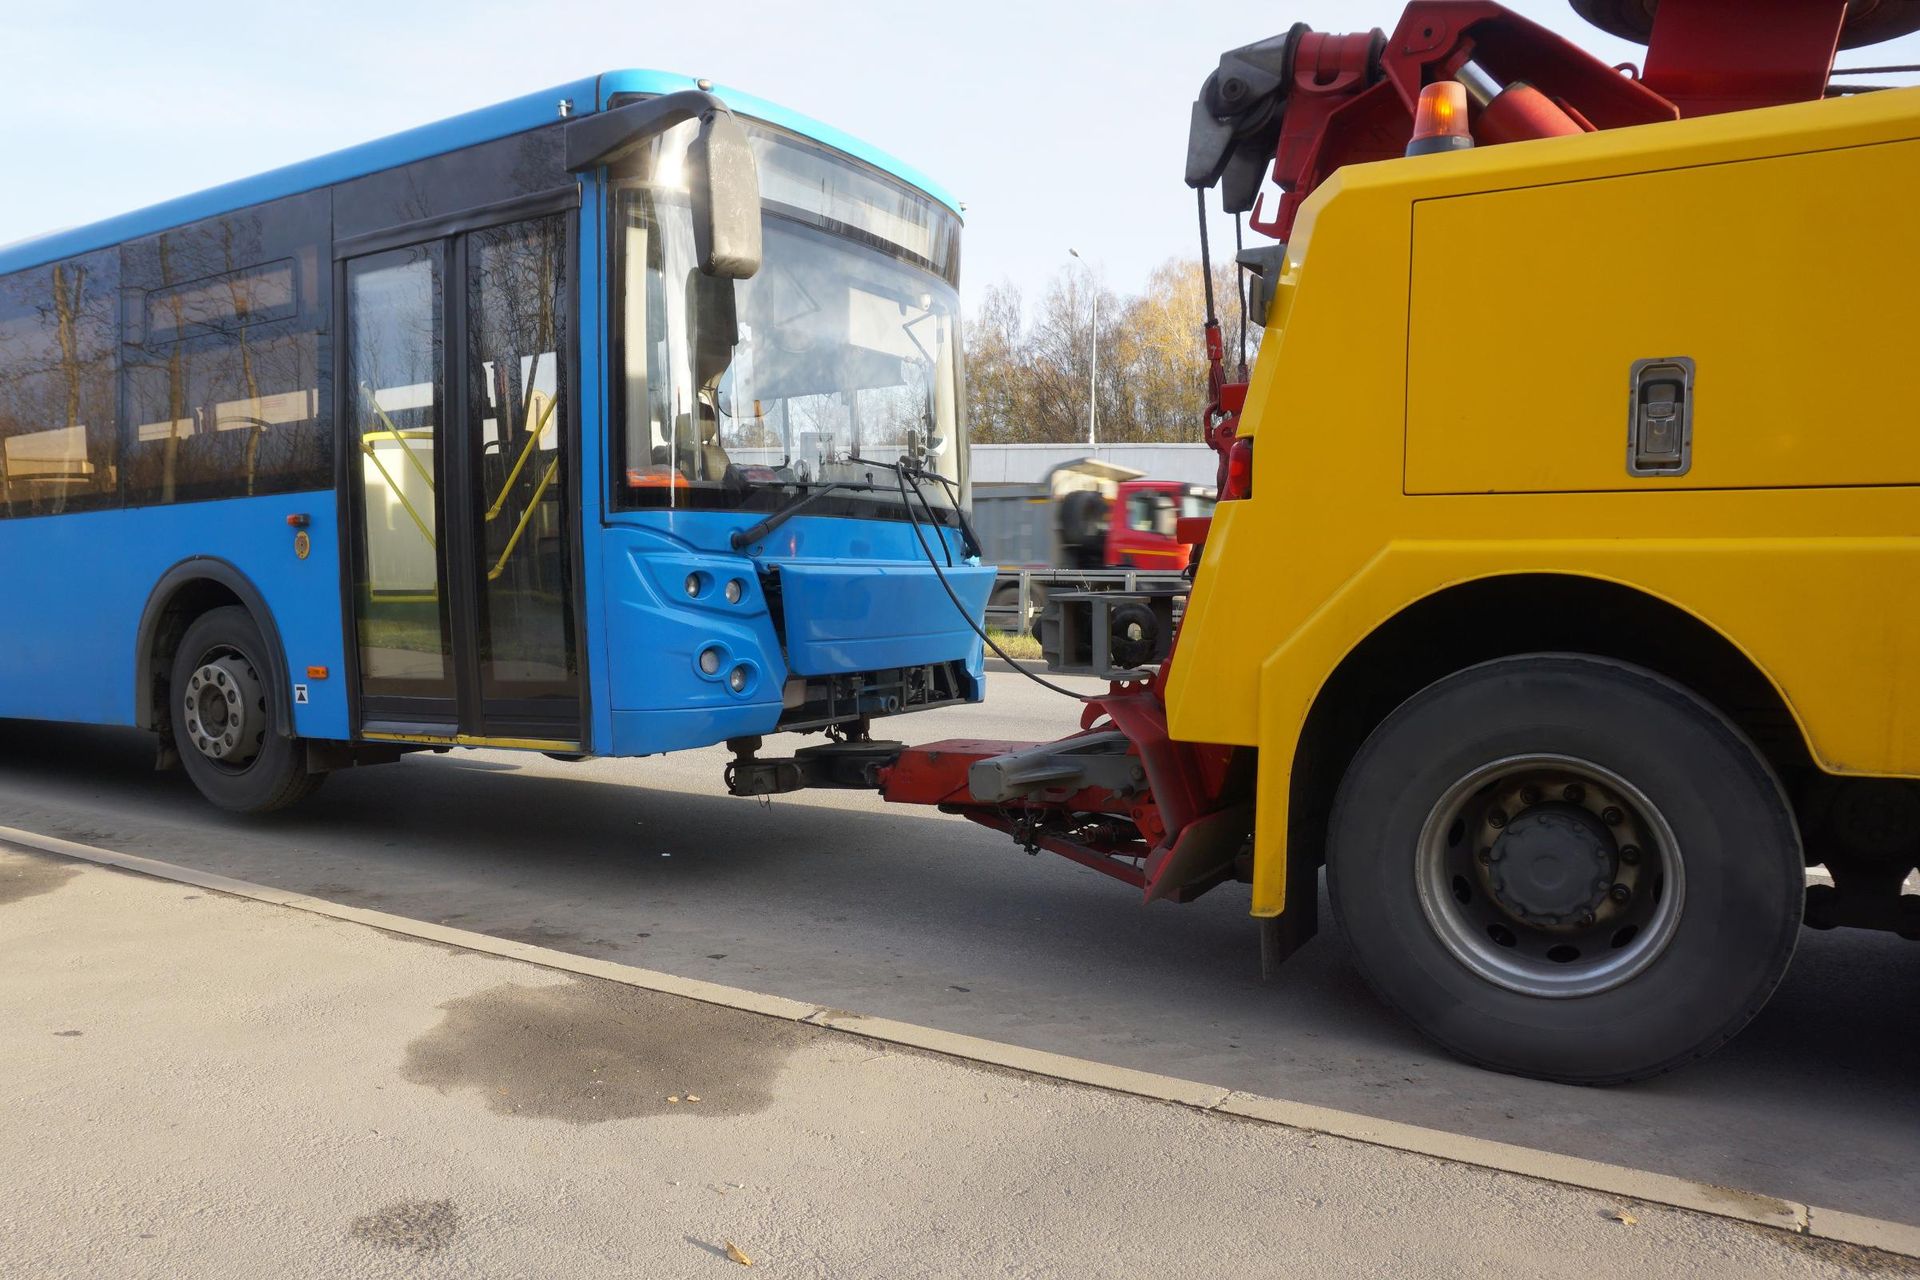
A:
[302,544]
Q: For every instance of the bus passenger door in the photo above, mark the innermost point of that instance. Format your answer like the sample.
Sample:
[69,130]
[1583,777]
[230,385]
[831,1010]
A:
[458,381]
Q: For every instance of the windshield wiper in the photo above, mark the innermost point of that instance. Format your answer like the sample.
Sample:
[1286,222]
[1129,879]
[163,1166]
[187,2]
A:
[906,475]
[753,533]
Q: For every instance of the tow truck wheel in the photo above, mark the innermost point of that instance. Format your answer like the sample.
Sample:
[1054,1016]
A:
[1566,867]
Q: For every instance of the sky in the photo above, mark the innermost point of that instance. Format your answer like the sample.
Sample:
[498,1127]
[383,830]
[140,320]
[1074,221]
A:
[1059,125]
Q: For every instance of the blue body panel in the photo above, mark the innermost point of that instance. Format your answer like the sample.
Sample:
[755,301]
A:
[76,586]
[860,575]
[852,615]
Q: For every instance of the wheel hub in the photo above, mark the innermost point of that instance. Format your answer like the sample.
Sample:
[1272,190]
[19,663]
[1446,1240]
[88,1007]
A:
[1553,864]
[224,709]
[1550,875]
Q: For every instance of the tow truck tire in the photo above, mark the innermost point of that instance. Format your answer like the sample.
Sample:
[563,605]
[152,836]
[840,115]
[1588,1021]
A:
[1566,867]
[221,705]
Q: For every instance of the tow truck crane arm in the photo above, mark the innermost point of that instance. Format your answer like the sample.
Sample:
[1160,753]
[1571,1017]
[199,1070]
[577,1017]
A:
[1303,104]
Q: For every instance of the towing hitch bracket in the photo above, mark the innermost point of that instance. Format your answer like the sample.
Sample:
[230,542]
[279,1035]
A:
[851,766]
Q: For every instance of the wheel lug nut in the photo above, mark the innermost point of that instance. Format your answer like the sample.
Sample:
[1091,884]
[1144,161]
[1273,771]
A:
[1529,795]
[1496,819]
[1611,816]
[1630,854]
[1573,793]
[1486,855]
[1586,918]
[1619,893]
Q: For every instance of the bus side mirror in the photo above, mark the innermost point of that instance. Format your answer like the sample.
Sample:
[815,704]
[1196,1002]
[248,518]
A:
[724,184]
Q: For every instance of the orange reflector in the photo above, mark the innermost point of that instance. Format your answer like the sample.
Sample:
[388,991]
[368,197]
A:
[1440,119]
[298,520]
[316,673]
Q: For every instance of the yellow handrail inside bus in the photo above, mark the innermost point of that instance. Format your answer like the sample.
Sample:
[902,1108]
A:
[526,518]
[396,433]
[533,439]
[393,432]
[393,486]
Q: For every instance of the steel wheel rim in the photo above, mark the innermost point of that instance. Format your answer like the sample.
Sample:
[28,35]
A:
[223,709]
[1509,834]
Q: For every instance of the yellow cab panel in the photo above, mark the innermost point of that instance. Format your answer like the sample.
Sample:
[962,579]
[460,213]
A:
[1791,284]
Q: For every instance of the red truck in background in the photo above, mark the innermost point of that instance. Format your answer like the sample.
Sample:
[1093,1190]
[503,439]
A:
[1087,514]
[1087,524]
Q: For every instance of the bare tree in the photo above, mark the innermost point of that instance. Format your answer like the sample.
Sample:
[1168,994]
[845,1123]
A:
[1027,379]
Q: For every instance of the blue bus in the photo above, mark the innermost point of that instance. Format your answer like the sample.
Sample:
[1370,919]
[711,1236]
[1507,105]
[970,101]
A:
[616,419]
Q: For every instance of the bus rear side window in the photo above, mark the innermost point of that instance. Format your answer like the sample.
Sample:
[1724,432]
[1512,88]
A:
[228,303]
[224,389]
[58,327]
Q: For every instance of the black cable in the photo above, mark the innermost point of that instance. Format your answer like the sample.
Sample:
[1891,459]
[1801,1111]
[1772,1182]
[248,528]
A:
[1874,71]
[969,541]
[969,538]
[933,520]
[900,473]
[1240,291]
[1206,258]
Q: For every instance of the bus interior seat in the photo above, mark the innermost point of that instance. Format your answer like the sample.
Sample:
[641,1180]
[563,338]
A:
[695,452]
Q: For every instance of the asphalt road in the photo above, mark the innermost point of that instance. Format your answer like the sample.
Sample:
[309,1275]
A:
[837,899]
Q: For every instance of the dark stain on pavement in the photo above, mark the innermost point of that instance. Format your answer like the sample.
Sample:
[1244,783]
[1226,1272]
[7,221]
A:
[589,1051]
[546,935]
[24,877]
[410,1226]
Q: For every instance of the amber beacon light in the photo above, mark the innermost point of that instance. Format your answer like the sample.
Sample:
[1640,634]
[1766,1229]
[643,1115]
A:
[1440,119]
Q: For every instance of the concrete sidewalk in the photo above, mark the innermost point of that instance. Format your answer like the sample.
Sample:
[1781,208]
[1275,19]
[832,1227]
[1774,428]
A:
[200,1085]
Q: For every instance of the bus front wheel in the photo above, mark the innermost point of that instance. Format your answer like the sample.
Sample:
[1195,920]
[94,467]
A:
[223,710]
[1567,867]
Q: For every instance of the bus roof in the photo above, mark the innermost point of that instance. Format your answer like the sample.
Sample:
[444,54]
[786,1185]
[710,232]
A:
[474,127]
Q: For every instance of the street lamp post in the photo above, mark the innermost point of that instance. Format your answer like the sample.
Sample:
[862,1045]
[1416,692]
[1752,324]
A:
[1093,343]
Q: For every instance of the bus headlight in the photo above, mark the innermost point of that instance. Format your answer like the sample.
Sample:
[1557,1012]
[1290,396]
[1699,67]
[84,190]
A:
[693,588]
[736,589]
[737,680]
[710,661]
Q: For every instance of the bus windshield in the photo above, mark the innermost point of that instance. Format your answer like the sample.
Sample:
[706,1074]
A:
[843,351]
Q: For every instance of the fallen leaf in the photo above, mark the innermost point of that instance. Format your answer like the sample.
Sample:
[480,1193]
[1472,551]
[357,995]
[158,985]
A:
[1623,1217]
[734,1255]
[674,1098]
[693,1097]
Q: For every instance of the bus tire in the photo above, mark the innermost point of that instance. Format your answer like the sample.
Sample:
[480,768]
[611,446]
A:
[221,706]
[1566,867]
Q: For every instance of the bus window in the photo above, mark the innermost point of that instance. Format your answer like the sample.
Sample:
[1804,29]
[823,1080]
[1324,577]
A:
[843,349]
[58,328]
[516,332]
[224,393]
[395,367]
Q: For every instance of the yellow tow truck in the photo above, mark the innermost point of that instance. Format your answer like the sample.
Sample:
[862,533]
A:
[1563,598]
